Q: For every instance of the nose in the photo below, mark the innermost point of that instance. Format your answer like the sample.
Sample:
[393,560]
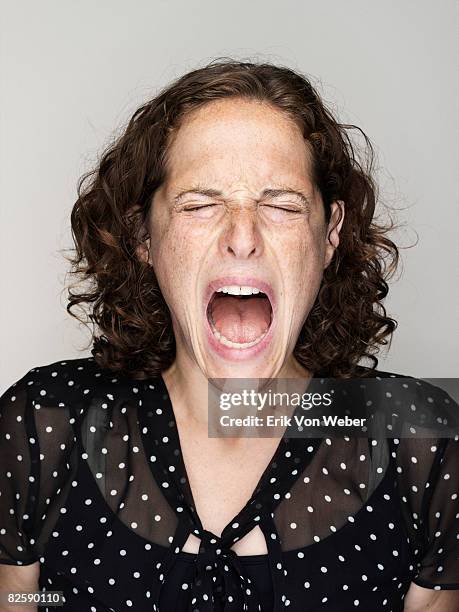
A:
[241,238]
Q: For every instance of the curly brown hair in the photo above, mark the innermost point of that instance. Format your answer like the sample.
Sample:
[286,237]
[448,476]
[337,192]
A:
[131,324]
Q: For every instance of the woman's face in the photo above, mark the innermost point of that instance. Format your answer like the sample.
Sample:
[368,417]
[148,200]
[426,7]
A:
[238,239]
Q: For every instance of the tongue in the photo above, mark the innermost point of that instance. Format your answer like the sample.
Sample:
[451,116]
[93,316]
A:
[241,319]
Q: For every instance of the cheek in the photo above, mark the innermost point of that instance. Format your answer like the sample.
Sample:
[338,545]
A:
[164,257]
[301,268]
[303,253]
[174,254]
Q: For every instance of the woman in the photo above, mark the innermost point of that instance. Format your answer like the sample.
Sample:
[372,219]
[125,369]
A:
[228,233]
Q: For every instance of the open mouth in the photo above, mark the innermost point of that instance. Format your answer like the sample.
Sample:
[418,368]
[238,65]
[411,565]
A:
[239,315]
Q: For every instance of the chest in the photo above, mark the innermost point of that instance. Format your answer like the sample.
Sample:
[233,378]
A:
[222,478]
[363,547]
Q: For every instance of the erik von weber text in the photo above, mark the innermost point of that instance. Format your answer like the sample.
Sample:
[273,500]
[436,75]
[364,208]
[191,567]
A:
[285,421]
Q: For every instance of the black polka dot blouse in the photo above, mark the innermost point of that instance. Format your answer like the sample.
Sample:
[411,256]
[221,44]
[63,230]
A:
[93,486]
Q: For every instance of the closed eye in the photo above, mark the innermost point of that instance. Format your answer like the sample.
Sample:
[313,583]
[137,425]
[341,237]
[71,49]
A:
[199,207]
[202,211]
[283,208]
[281,214]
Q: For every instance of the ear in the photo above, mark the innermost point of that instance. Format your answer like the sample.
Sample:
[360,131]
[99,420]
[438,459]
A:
[134,215]
[143,250]
[333,229]
[143,243]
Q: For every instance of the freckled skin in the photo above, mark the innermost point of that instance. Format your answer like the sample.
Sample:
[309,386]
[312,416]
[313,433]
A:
[239,148]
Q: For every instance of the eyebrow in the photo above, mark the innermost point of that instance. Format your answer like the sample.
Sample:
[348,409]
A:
[266,193]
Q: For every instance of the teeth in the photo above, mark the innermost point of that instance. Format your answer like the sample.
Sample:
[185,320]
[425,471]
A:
[221,338]
[238,290]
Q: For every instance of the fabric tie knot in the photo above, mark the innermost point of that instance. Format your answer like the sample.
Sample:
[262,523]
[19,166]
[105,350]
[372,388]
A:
[219,581]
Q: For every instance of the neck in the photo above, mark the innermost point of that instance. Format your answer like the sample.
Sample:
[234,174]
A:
[188,387]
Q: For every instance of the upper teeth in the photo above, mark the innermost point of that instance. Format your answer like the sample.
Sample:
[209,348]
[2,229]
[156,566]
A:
[237,290]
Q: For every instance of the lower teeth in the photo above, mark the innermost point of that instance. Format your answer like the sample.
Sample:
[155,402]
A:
[232,344]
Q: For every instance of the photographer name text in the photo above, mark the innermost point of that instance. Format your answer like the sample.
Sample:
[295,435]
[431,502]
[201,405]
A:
[285,421]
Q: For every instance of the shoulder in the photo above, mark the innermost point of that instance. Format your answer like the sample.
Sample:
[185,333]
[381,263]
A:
[420,418]
[415,406]
[42,380]
[439,392]
[67,381]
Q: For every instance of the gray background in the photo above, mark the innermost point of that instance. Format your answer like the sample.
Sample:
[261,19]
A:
[73,72]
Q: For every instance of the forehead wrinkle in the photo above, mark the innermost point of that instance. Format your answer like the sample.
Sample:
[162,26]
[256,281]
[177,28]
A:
[229,174]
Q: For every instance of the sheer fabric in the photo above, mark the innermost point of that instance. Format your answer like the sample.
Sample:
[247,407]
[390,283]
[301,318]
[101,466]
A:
[93,485]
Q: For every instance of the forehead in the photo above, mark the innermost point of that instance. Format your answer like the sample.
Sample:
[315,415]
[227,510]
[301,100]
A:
[236,140]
